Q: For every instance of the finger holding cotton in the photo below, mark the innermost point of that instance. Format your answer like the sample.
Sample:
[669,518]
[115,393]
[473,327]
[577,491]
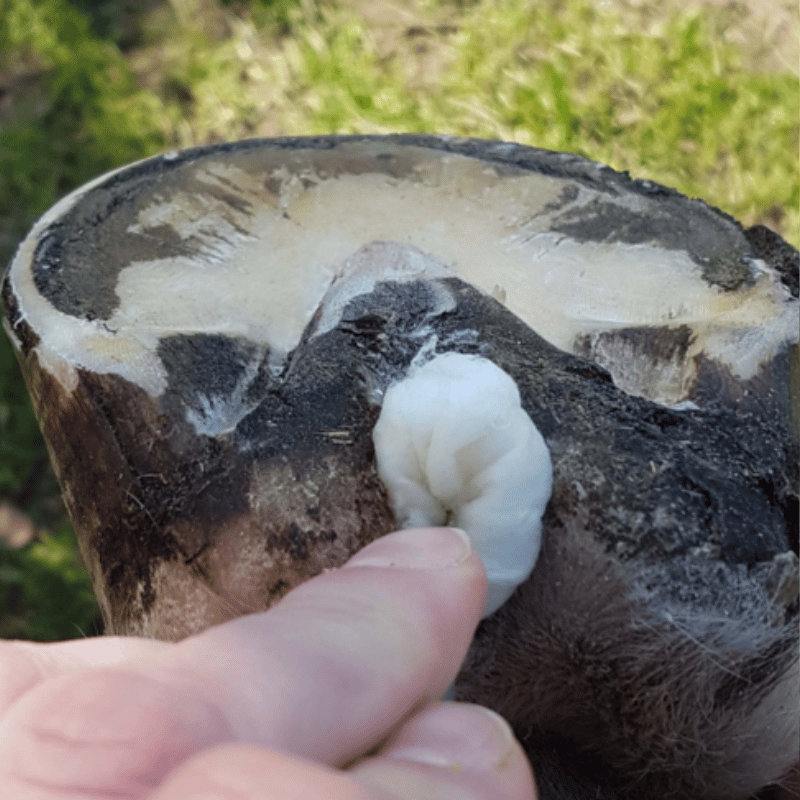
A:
[454,446]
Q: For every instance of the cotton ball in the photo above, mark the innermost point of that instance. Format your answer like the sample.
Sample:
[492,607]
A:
[454,446]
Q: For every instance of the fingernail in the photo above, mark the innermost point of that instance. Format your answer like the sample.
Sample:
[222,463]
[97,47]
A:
[457,736]
[416,548]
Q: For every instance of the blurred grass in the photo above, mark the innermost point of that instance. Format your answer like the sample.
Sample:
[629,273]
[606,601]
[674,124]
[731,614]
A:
[702,97]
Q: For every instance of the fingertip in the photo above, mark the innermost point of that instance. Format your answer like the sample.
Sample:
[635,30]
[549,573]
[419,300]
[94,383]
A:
[452,749]
[416,548]
[462,736]
[431,548]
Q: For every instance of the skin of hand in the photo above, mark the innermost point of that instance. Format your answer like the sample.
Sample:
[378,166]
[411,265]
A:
[332,694]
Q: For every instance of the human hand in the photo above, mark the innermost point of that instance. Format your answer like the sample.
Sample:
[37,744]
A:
[331,694]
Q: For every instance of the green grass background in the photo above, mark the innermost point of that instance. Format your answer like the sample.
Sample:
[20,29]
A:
[702,96]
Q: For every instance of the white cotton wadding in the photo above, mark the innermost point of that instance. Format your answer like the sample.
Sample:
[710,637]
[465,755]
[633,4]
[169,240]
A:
[454,446]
